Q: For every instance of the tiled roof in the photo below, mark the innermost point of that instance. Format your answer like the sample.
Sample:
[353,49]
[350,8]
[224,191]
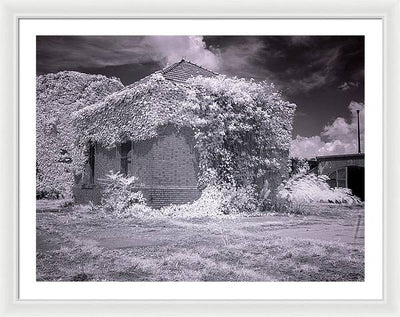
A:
[178,72]
[183,70]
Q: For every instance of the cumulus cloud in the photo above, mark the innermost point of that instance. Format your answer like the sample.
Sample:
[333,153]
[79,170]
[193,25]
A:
[306,147]
[339,137]
[100,51]
[309,147]
[295,64]
[170,49]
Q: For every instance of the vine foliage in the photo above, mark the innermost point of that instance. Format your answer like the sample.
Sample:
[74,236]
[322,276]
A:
[58,96]
[242,128]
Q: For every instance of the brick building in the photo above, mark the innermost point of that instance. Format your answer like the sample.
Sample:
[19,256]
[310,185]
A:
[148,139]
[346,170]
[166,165]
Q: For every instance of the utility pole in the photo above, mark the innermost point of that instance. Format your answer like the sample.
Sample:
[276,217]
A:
[358,131]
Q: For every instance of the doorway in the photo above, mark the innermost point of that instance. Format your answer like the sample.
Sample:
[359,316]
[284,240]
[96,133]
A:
[125,157]
[356,181]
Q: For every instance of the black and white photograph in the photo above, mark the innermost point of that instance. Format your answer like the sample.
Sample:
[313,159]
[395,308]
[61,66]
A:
[200,158]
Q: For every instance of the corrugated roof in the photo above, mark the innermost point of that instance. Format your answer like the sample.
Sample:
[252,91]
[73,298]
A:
[183,70]
[341,157]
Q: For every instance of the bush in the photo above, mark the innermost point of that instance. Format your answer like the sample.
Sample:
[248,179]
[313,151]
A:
[239,200]
[217,201]
[120,197]
[308,188]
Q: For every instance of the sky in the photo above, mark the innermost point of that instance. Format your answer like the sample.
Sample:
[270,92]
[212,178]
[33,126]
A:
[322,75]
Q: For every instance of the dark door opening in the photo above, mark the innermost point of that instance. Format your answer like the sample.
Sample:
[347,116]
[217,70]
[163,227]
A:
[91,162]
[125,158]
[355,180]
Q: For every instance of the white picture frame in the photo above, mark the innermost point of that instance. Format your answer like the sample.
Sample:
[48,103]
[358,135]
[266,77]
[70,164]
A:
[12,11]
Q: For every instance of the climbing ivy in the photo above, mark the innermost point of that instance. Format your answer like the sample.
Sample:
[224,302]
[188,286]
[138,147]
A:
[242,128]
[57,97]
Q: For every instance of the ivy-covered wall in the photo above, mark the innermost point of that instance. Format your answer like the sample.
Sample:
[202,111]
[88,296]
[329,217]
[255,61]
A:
[57,97]
[241,131]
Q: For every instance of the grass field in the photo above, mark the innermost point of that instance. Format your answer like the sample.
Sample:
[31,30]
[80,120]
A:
[74,244]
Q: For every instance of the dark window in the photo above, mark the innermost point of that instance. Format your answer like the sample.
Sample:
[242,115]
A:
[338,178]
[125,158]
[91,162]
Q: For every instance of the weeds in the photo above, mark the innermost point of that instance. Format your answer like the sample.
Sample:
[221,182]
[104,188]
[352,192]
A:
[283,206]
[206,250]
[120,195]
[309,188]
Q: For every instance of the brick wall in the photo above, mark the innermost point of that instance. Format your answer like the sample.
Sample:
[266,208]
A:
[166,195]
[165,161]
[166,167]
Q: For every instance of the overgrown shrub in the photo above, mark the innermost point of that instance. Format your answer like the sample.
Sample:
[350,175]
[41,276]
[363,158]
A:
[239,200]
[245,128]
[307,188]
[217,201]
[120,197]
[298,166]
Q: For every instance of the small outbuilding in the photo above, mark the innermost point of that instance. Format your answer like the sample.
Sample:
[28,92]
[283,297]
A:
[346,170]
[147,130]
